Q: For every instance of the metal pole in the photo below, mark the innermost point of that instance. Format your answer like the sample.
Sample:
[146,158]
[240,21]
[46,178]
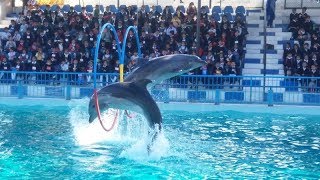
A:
[264,46]
[118,3]
[198,25]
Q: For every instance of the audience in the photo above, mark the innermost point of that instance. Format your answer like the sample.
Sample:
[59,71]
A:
[303,59]
[57,41]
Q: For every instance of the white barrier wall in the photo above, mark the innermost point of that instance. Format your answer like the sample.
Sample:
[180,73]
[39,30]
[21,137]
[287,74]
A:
[5,8]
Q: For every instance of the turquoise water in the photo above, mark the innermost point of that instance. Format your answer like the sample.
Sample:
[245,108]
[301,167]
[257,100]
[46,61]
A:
[38,141]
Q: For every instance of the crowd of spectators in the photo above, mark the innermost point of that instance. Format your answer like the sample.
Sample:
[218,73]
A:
[57,41]
[303,59]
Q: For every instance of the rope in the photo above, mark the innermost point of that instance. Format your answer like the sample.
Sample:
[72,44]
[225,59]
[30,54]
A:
[99,114]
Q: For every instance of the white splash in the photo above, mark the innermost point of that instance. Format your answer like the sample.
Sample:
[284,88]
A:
[132,131]
[138,151]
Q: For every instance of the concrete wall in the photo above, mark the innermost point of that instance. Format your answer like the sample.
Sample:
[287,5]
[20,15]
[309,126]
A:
[5,8]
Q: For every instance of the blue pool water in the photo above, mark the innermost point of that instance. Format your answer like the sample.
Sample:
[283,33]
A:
[50,140]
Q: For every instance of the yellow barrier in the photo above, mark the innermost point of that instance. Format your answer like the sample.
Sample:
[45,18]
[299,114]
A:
[121,72]
[50,2]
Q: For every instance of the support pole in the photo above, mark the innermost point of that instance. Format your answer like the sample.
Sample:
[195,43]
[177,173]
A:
[198,26]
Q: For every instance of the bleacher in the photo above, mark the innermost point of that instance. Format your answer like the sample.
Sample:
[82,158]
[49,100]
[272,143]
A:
[277,36]
[228,12]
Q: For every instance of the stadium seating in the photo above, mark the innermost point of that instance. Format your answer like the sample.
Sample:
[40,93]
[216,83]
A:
[77,8]
[240,10]
[113,8]
[122,7]
[182,9]
[66,8]
[216,9]
[159,9]
[53,7]
[77,49]
[171,9]
[228,9]
[89,8]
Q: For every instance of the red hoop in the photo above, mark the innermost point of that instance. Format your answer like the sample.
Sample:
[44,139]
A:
[99,114]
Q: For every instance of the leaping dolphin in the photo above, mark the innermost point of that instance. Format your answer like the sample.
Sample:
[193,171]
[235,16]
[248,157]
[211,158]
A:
[133,94]
[164,67]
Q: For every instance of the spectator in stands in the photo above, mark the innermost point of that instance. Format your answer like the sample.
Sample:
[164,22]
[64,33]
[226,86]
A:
[271,10]
[303,15]
[308,25]
[287,50]
[294,14]
[192,10]
[289,63]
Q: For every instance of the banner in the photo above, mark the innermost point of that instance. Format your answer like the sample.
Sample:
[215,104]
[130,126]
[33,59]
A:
[50,2]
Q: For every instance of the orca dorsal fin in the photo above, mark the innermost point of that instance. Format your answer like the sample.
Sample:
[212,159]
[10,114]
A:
[142,82]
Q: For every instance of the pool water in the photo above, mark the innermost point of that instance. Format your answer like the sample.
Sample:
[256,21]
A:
[57,142]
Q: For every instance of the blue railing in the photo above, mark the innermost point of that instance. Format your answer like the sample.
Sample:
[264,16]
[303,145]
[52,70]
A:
[187,88]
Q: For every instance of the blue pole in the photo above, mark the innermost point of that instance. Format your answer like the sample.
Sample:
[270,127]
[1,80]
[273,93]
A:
[95,59]
[123,52]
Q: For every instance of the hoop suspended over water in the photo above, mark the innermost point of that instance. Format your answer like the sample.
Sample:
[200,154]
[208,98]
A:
[96,101]
[121,55]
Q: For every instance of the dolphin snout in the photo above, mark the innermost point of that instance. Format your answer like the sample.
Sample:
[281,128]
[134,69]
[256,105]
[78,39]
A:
[200,62]
[92,117]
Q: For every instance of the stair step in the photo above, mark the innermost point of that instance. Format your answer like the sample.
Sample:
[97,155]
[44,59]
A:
[250,18]
[260,46]
[253,42]
[269,38]
[254,10]
[251,71]
[13,15]
[252,60]
[267,33]
[253,66]
[274,66]
[272,71]
[274,29]
[2,26]
[255,56]
[274,56]
[253,51]
[269,51]
[10,18]
[253,25]
[274,60]
[261,66]
[5,22]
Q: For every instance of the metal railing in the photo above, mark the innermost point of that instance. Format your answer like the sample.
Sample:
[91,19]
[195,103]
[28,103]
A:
[187,88]
[310,4]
